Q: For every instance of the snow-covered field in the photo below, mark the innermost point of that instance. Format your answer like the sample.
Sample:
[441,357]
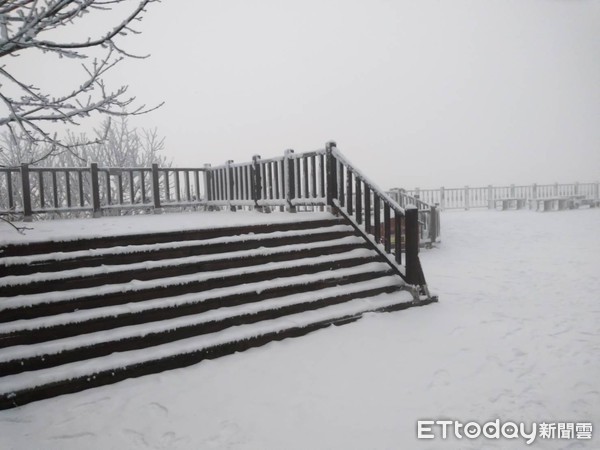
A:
[515,337]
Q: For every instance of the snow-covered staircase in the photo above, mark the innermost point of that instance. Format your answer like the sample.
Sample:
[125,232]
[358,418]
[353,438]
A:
[86,313]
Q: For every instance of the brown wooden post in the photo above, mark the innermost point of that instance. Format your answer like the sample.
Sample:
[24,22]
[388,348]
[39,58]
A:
[229,182]
[26,192]
[208,195]
[155,188]
[433,223]
[96,210]
[358,199]
[398,236]
[330,162]
[412,245]
[387,229]
[9,181]
[290,180]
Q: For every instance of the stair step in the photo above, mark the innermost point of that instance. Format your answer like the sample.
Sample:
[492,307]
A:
[84,346]
[78,244]
[40,329]
[110,274]
[61,261]
[36,385]
[34,305]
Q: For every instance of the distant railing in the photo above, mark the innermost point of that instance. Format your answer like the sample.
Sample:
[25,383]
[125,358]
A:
[486,197]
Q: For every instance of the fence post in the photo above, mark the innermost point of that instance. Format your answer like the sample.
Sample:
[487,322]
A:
[467,197]
[491,199]
[156,188]
[534,191]
[96,211]
[26,192]
[433,223]
[229,183]
[555,190]
[412,245]
[208,196]
[290,184]
[331,173]
[577,188]
[512,191]
[256,182]
[442,198]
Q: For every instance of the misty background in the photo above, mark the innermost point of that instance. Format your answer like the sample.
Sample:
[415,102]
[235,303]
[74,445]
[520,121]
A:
[423,93]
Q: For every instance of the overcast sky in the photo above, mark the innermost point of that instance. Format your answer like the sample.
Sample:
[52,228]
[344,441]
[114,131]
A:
[417,93]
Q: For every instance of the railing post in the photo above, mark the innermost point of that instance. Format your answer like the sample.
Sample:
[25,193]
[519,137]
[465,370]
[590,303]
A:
[26,192]
[290,184]
[155,188]
[412,244]
[555,192]
[331,173]
[577,188]
[491,199]
[442,198]
[229,183]
[534,191]
[208,195]
[96,211]
[433,223]
[467,197]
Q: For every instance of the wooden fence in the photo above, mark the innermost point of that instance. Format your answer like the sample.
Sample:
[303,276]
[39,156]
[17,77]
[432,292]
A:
[294,181]
[486,197]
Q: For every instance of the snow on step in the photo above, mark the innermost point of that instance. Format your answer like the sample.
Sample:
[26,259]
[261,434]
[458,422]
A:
[136,285]
[76,229]
[186,299]
[16,280]
[18,382]
[141,330]
[145,248]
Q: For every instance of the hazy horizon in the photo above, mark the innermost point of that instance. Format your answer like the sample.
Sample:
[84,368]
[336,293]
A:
[424,93]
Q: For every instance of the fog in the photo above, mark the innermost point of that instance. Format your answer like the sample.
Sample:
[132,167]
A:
[417,93]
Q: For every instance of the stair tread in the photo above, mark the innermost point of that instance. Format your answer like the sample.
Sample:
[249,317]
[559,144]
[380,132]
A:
[28,380]
[19,301]
[17,280]
[225,312]
[145,248]
[181,300]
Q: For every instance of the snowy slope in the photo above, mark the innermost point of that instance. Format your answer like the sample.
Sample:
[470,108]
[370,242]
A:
[516,336]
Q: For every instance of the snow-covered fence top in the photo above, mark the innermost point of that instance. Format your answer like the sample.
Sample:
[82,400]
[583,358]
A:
[485,197]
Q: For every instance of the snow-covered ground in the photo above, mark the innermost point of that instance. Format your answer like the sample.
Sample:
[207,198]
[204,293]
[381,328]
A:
[515,337]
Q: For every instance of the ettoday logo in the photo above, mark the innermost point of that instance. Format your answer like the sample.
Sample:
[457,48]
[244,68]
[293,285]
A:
[431,429]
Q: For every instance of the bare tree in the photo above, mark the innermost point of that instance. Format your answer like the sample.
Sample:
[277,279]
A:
[35,25]
[120,146]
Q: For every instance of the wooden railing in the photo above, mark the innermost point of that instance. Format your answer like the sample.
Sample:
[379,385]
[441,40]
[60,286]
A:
[485,197]
[394,227]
